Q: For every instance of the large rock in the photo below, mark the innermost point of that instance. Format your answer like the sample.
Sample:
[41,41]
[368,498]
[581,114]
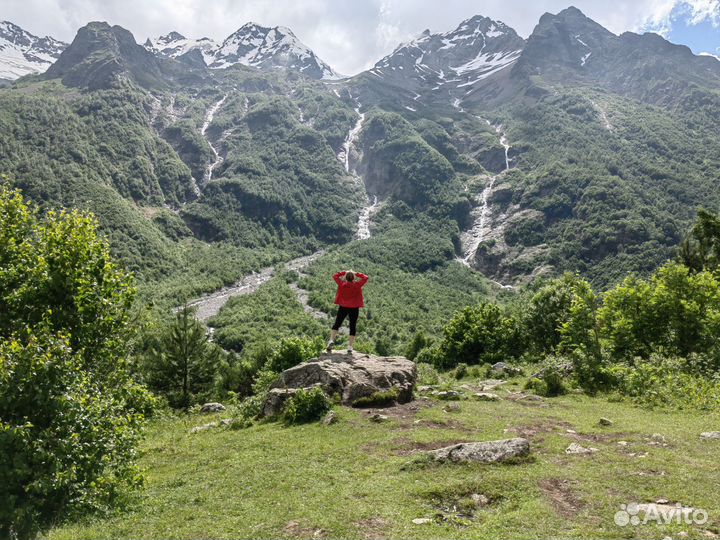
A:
[483,452]
[348,376]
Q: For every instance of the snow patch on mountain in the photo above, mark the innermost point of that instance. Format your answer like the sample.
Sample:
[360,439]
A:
[22,53]
[251,45]
[476,49]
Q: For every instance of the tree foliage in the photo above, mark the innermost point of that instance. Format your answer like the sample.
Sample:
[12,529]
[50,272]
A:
[70,414]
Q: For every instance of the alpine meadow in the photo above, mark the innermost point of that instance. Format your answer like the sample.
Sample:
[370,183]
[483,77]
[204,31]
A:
[470,292]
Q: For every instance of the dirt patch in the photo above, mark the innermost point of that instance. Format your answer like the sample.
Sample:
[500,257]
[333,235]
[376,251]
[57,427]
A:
[296,530]
[600,437]
[373,528]
[533,431]
[562,497]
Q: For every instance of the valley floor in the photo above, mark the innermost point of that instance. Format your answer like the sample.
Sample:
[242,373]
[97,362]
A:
[350,479]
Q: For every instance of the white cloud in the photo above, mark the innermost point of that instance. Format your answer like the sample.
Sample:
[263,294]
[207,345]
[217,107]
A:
[350,35]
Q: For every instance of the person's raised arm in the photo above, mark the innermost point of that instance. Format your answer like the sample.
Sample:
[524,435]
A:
[363,278]
[338,277]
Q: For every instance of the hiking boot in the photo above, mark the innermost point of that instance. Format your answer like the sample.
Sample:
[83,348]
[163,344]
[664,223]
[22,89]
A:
[329,347]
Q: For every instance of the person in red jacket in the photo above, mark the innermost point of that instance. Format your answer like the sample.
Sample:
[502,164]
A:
[350,299]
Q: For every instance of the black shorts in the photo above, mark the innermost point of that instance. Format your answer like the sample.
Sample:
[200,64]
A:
[352,312]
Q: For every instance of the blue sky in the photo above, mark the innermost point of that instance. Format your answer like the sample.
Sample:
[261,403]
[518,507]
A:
[695,24]
[351,35]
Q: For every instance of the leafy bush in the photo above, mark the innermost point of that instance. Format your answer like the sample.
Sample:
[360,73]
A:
[305,406]
[460,371]
[70,413]
[293,351]
[427,374]
[551,381]
[479,334]
[665,382]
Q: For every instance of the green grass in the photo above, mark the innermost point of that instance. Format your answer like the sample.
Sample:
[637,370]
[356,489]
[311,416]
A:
[347,479]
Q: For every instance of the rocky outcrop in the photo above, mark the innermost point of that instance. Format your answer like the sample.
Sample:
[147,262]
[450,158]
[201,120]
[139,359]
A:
[483,452]
[348,376]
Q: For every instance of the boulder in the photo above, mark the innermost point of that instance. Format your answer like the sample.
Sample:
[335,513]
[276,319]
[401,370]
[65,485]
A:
[348,376]
[605,422]
[506,369]
[575,448]
[710,435]
[483,452]
[212,408]
[204,427]
[330,418]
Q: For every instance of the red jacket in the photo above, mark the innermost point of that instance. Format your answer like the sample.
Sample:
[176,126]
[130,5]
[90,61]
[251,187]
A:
[349,293]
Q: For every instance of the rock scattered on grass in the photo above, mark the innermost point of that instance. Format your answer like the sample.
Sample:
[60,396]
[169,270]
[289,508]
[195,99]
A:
[486,396]
[212,408]
[204,427]
[576,449]
[483,452]
[421,521]
[377,417]
[446,394]
[451,407]
[330,418]
[605,422]
[710,435]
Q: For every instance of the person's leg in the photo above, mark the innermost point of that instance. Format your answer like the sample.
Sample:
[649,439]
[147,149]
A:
[353,314]
[339,318]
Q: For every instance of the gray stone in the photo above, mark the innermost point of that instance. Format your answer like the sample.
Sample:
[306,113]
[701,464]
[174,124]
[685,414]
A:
[212,408]
[349,376]
[204,427]
[446,394]
[605,422]
[507,369]
[483,452]
[275,400]
[486,396]
[330,418]
[377,417]
[710,435]
[451,407]
[421,521]
[575,448]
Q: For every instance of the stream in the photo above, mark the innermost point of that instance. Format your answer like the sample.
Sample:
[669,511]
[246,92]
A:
[208,120]
[209,305]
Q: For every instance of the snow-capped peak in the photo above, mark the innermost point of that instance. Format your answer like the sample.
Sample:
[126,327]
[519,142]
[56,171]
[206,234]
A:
[260,46]
[22,53]
[250,45]
[476,49]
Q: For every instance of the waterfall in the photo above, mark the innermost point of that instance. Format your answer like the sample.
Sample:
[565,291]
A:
[208,120]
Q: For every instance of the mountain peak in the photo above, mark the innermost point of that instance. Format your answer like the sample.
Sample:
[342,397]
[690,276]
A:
[22,53]
[252,45]
[100,55]
[454,61]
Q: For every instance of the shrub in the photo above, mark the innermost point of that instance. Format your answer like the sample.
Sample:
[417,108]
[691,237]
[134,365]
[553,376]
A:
[460,371]
[418,343]
[551,380]
[427,374]
[381,398]
[479,334]
[305,406]
[70,413]
[664,382]
[293,351]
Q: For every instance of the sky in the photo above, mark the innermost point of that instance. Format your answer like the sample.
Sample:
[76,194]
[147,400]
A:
[351,35]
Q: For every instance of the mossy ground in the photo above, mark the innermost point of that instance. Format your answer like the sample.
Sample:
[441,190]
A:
[348,480]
